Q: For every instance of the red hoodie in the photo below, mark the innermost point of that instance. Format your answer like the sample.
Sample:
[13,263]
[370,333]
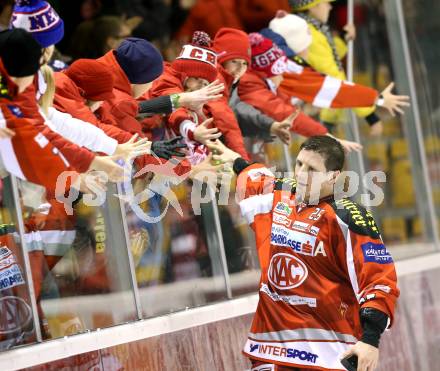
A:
[68,98]
[122,109]
[171,81]
[254,90]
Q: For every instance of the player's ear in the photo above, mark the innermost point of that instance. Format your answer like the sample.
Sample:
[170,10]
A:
[333,175]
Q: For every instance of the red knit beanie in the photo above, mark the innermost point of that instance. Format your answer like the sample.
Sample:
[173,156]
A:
[230,43]
[197,59]
[266,56]
[96,82]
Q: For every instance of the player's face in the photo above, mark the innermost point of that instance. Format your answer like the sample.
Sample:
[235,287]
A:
[313,179]
[321,12]
[236,67]
[195,83]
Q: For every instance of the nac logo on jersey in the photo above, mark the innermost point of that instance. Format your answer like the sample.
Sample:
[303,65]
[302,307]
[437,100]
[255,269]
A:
[286,271]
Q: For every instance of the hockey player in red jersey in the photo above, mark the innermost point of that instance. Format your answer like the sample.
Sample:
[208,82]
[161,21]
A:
[328,284]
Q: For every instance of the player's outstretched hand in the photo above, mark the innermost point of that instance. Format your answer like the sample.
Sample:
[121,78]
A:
[368,356]
[168,148]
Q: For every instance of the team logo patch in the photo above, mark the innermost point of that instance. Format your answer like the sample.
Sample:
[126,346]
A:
[281,220]
[15,110]
[283,208]
[286,271]
[376,253]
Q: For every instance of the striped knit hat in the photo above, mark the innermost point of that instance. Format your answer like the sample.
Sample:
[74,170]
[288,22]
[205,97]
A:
[302,5]
[197,59]
[40,19]
[266,56]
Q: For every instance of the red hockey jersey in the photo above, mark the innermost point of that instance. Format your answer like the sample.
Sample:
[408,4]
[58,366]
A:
[319,265]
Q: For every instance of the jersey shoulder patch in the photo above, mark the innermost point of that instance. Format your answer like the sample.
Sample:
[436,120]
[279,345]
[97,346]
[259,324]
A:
[358,219]
[285,184]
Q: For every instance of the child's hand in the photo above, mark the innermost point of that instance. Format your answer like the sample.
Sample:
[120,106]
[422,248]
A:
[350,31]
[203,134]
[394,103]
[133,148]
[281,130]
[196,99]
[222,153]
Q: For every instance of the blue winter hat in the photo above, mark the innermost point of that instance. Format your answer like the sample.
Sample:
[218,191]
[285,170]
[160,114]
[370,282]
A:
[140,60]
[278,40]
[40,19]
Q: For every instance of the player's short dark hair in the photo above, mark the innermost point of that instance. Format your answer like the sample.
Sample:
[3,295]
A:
[329,148]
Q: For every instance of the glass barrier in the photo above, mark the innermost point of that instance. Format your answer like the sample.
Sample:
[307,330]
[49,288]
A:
[401,213]
[16,315]
[242,258]
[178,264]
[80,267]
[421,22]
[413,152]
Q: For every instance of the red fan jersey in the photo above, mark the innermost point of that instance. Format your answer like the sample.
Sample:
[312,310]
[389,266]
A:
[319,265]
[28,154]
[325,91]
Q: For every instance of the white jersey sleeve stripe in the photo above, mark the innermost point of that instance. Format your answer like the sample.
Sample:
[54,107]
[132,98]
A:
[349,256]
[329,91]
[10,161]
